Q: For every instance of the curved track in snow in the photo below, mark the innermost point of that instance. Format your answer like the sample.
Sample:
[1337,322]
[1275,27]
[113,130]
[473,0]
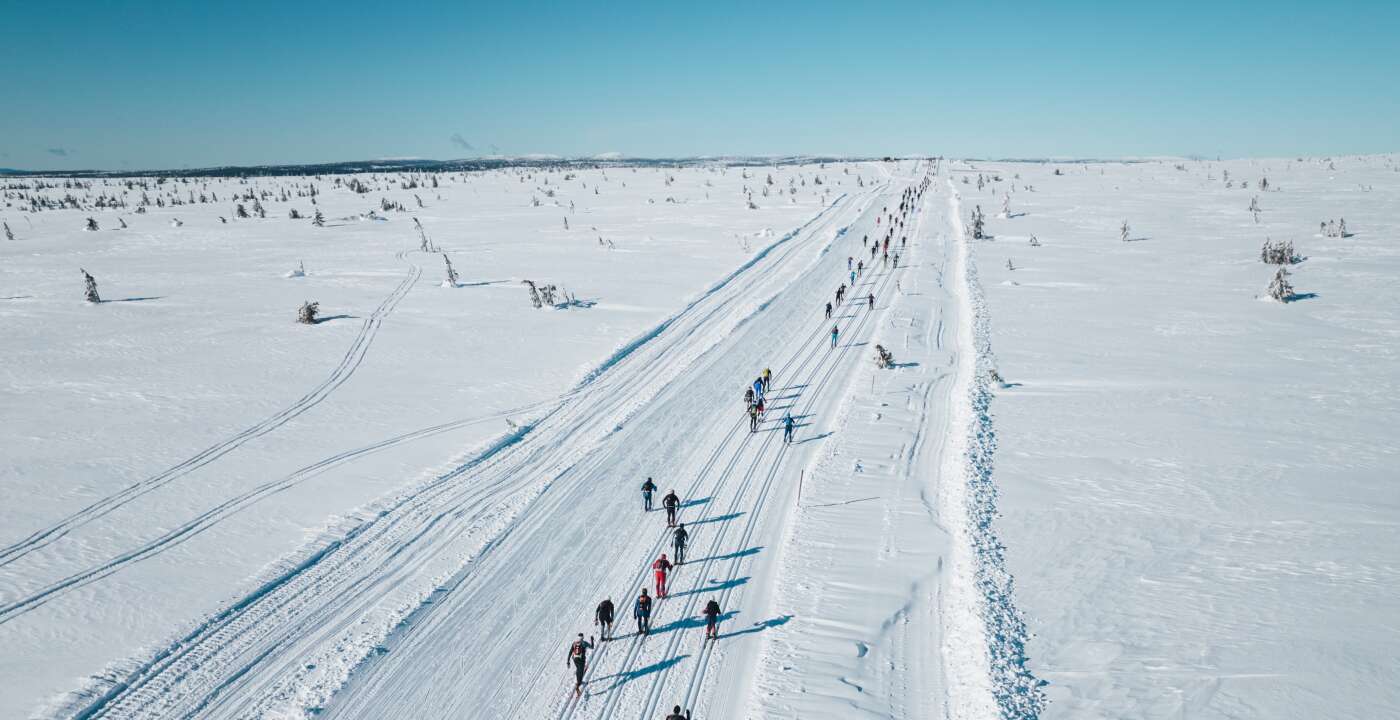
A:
[349,362]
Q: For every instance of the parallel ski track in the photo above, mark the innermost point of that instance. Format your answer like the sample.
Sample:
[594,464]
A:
[697,675]
[753,516]
[349,362]
[338,583]
[571,704]
[234,505]
[694,490]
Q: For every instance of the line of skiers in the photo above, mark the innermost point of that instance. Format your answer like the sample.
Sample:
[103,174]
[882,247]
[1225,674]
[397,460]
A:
[754,401]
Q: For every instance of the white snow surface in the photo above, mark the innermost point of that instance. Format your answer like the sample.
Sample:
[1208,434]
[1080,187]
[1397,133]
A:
[1198,487]
[1111,482]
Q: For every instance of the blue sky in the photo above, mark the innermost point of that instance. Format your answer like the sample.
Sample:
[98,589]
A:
[115,85]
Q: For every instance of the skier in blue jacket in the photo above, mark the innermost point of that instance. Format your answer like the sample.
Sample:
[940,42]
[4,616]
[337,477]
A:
[642,611]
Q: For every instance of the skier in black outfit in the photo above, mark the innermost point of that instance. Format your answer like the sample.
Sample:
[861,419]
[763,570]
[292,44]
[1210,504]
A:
[648,488]
[828,311]
[679,539]
[671,502]
[604,617]
[871,298]
[676,714]
[642,611]
[711,613]
[753,418]
[578,657]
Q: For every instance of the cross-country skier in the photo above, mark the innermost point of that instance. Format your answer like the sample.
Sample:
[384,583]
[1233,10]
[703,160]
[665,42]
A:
[578,657]
[712,612]
[642,611]
[648,488]
[748,397]
[849,260]
[853,278]
[661,567]
[834,333]
[753,418]
[787,428]
[678,541]
[676,714]
[758,387]
[828,311]
[671,502]
[767,380]
[871,299]
[603,616]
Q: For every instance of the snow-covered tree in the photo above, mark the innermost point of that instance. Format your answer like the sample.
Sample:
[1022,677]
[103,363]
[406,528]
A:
[535,298]
[9,234]
[91,225]
[1279,288]
[90,287]
[307,314]
[451,273]
[1035,241]
[883,358]
[1123,231]
[319,220]
[1278,253]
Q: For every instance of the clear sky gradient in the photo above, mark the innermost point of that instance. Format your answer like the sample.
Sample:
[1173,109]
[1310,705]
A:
[128,85]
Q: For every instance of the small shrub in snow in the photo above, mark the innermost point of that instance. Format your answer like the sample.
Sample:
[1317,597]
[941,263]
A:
[9,234]
[307,314]
[1035,242]
[319,220]
[1123,231]
[90,288]
[91,225]
[883,358]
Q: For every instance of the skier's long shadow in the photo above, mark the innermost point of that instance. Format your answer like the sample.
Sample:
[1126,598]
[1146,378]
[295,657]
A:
[759,627]
[133,299]
[738,554]
[718,518]
[630,675]
[716,587]
[692,503]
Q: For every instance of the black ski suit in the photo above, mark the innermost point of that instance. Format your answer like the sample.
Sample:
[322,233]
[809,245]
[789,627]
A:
[578,657]
[671,503]
[711,613]
[679,540]
[648,488]
[604,617]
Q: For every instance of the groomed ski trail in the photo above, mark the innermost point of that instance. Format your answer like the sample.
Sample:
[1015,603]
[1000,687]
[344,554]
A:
[489,644]
[289,644]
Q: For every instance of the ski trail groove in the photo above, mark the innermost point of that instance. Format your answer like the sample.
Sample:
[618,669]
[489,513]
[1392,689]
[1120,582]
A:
[692,595]
[349,362]
[320,597]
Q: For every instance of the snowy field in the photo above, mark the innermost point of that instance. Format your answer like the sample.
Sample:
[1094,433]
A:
[1199,486]
[1103,478]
